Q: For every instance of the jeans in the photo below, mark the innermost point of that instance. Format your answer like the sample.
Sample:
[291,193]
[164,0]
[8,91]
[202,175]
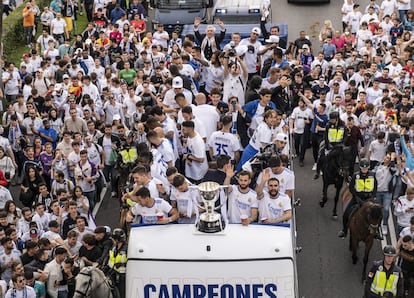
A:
[384,198]
[316,141]
[111,174]
[62,294]
[300,145]
[28,35]
[91,198]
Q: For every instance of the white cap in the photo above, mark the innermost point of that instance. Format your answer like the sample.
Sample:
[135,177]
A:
[58,87]
[177,82]
[256,30]
[281,137]
[116,117]
[272,39]
[88,41]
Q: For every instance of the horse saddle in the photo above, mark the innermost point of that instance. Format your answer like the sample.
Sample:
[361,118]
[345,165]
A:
[354,209]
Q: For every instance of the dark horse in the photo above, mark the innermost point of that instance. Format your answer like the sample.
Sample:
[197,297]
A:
[334,169]
[363,226]
[124,175]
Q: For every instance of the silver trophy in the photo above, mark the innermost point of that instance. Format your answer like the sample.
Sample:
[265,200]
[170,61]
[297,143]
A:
[210,221]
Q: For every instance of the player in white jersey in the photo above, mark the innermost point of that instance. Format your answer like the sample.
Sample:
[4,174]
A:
[284,175]
[184,199]
[242,200]
[153,210]
[274,207]
[224,142]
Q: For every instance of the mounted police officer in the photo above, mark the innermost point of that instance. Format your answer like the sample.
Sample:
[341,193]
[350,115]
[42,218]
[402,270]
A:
[117,260]
[385,277]
[334,138]
[363,186]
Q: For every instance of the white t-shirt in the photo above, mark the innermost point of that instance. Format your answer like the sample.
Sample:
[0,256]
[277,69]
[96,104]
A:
[224,143]
[149,215]
[195,146]
[26,292]
[250,58]
[262,134]
[388,7]
[273,208]
[241,204]
[378,150]
[58,26]
[299,116]
[186,204]
[286,180]
[158,38]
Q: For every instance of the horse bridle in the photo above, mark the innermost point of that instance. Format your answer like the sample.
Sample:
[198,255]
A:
[372,228]
[84,294]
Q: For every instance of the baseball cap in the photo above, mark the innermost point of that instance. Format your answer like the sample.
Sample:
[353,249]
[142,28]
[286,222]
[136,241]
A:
[116,117]
[305,46]
[58,87]
[256,30]
[281,137]
[25,56]
[65,76]
[272,39]
[177,82]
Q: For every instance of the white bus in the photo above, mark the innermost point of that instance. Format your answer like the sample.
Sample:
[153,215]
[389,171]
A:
[176,260]
[241,11]
[177,12]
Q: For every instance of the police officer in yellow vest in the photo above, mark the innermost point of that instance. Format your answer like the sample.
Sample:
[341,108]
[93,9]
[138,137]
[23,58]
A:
[118,259]
[334,136]
[128,150]
[385,277]
[363,186]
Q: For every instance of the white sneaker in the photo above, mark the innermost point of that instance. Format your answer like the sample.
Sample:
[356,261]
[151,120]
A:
[314,167]
[384,229]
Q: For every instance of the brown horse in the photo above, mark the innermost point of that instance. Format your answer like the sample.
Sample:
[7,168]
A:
[363,226]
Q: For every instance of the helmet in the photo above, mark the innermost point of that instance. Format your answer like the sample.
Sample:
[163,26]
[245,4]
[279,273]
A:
[119,235]
[334,115]
[130,134]
[389,250]
[364,163]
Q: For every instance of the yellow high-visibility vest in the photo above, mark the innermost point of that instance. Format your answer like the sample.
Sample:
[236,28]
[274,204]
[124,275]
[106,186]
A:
[335,135]
[117,262]
[364,185]
[129,155]
[380,283]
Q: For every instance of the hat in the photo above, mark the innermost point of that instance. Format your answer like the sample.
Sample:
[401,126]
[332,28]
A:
[116,117]
[58,87]
[305,46]
[25,56]
[256,30]
[272,39]
[177,82]
[88,41]
[281,137]
[78,50]
[65,76]
[33,233]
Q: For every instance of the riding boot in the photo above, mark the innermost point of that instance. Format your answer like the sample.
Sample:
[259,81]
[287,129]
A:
[345,218]
[378,234]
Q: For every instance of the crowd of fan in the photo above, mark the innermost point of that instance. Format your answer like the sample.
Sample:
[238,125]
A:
[175,111]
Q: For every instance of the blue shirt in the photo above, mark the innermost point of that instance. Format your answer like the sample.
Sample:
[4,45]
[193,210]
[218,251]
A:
[51,133]
[321,120]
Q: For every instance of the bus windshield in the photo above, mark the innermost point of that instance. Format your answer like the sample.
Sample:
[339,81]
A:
[176,4]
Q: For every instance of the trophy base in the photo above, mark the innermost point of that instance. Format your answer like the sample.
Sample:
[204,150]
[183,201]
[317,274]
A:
[213,225]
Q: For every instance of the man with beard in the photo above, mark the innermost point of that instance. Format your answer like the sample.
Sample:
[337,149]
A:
[242,200]
[274,206]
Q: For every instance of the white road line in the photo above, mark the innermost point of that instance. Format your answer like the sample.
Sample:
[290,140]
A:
[391,230]
[98,205]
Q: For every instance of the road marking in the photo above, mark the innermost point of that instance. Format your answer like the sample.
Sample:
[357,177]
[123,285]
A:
[98,205]
[391,230]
